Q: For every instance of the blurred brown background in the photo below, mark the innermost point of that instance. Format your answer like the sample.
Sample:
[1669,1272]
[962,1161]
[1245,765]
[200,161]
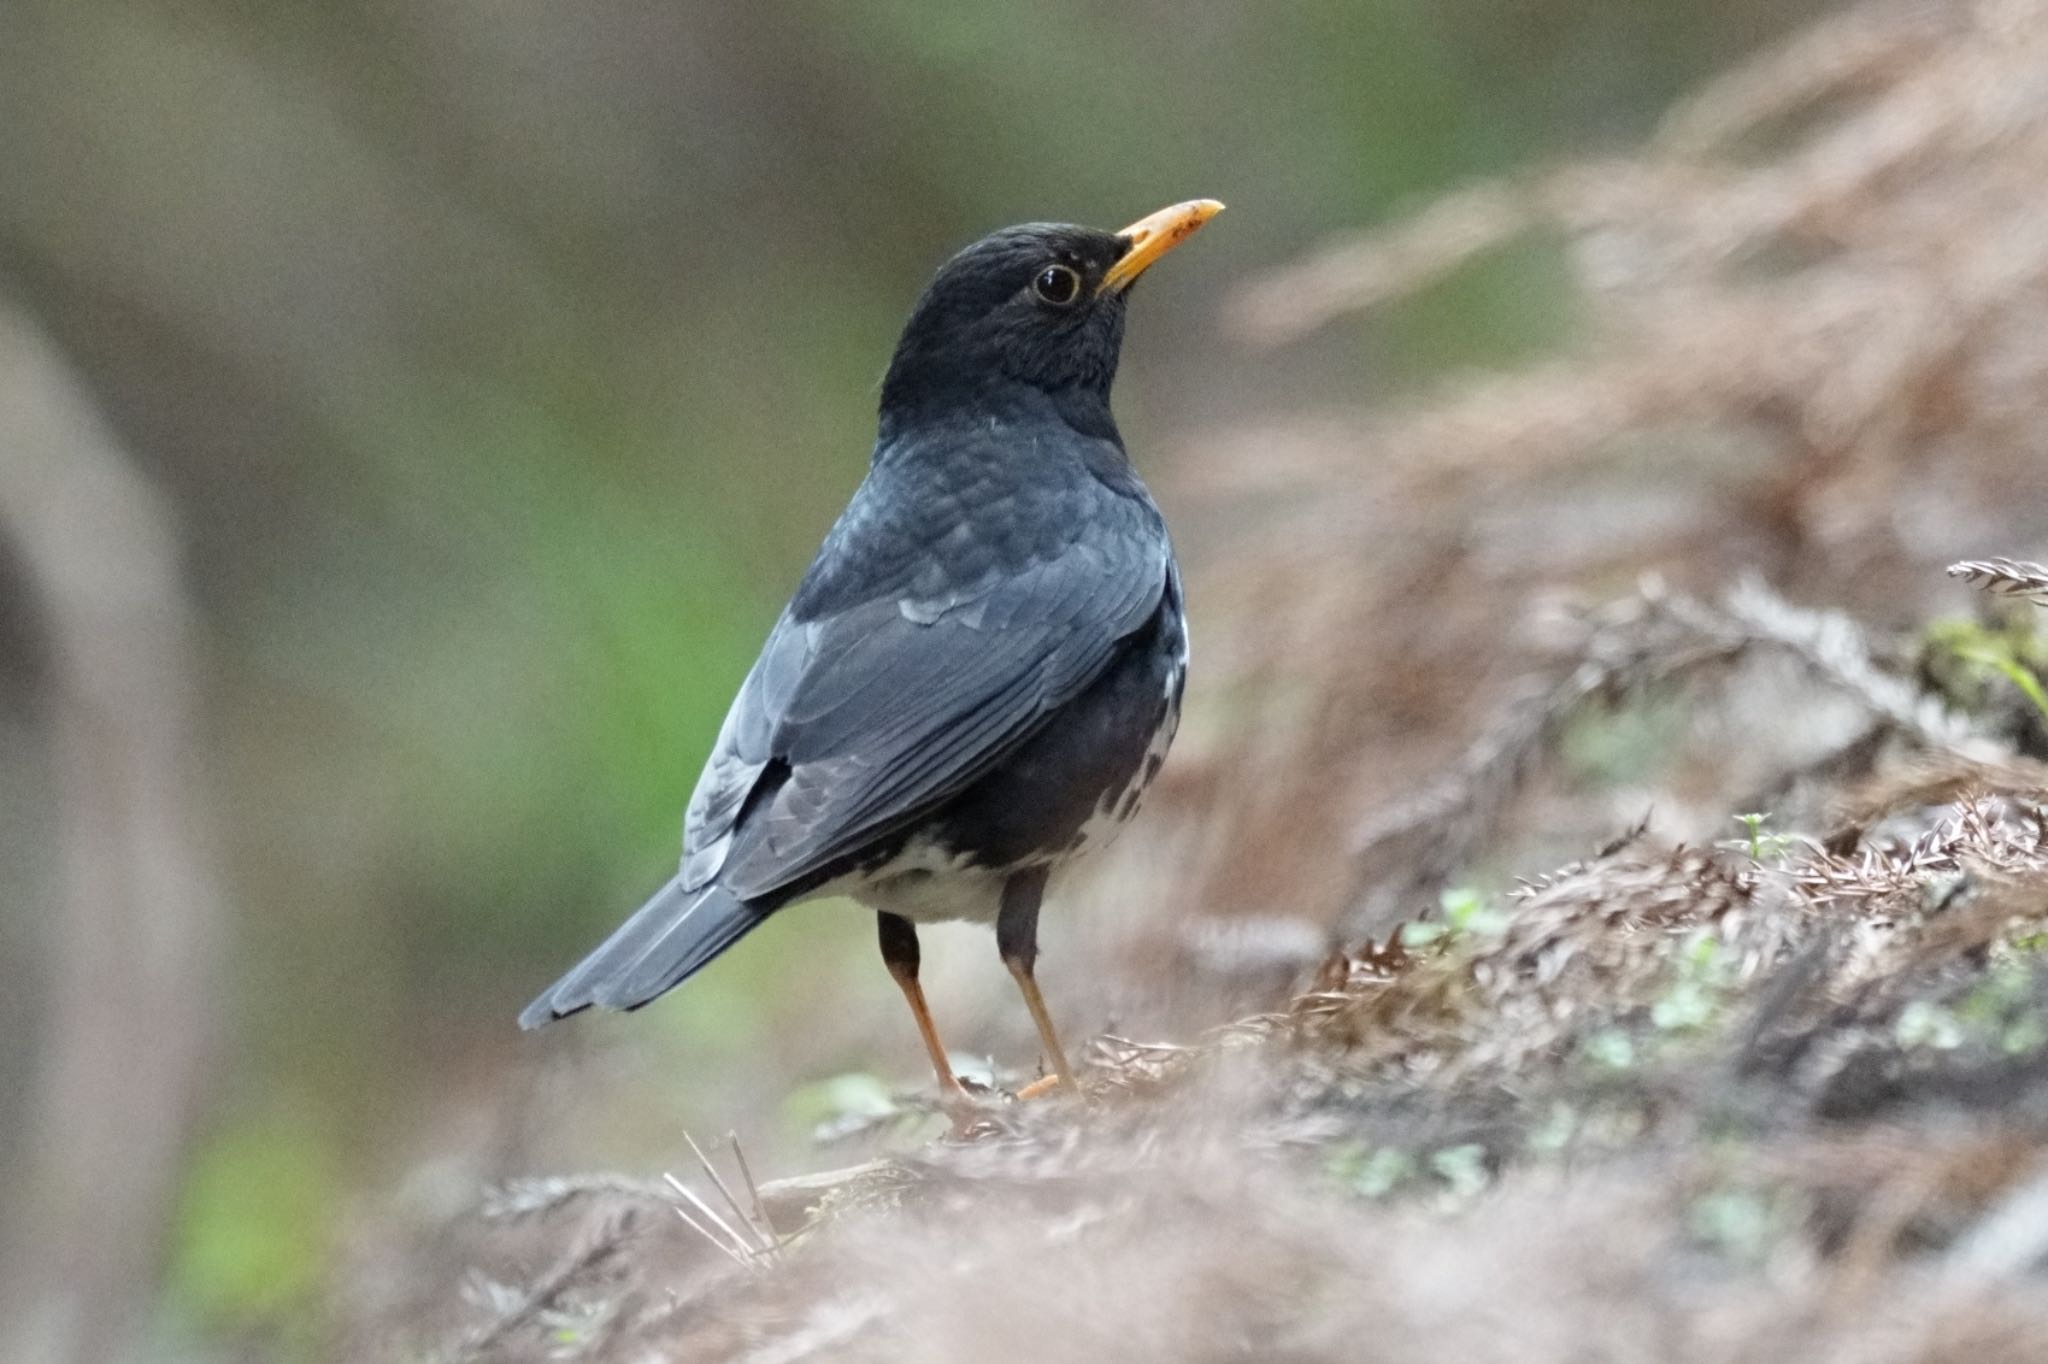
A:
[412,415]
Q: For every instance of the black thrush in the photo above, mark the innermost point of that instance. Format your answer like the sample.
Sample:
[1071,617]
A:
[982,669]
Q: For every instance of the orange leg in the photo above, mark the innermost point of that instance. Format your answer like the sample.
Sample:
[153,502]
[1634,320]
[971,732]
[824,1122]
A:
[1063,1073]
[1017,940]
[900,953]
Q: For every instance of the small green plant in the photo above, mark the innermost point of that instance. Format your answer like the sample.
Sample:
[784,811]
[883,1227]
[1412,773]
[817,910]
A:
[1754,822]
[1762,846]
[1463,915]
[1983,654]
[1423,932]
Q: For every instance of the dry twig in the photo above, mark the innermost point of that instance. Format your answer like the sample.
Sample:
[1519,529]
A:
[2005,578]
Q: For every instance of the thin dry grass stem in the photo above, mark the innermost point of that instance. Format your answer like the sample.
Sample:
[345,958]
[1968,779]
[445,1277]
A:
[2005,578]
[760,1211]
[727,1242]
[761,1232]
[754,1242]
[756,1245]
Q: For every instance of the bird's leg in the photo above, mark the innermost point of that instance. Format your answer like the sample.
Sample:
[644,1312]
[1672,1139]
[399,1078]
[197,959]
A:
[900,954]
[1017,940]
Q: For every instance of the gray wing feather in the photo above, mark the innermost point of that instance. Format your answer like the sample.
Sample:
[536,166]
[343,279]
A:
[745,744]
[881,710]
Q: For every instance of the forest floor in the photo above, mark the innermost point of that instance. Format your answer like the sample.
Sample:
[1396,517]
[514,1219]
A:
[1782,1097]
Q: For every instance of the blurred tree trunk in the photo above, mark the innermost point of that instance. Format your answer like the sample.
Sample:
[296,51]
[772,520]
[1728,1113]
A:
[128,983]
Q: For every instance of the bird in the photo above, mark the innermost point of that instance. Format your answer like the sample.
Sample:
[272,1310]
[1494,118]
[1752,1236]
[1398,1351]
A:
[982,669]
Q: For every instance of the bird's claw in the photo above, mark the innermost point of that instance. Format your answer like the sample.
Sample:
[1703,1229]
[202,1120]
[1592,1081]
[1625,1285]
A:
[970,1106]
[1044,1085]
[976,1110]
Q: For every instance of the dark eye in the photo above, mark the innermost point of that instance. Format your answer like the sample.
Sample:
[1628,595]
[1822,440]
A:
[1057,284]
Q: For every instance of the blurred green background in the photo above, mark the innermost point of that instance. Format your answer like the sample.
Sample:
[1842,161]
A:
[502,363]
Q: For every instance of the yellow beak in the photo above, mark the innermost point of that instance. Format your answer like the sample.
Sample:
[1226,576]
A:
[1153,236]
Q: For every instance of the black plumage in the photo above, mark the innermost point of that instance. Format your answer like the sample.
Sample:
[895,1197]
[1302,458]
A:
[982,668]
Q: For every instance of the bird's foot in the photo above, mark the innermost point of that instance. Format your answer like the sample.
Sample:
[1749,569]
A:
[978,1111]
[1054,1085]
[1039,1088]
[972,1108]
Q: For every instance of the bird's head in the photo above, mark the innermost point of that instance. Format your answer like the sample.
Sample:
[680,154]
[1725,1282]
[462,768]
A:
[1040,306]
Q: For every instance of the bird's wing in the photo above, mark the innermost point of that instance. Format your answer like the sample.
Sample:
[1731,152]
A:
[856,721]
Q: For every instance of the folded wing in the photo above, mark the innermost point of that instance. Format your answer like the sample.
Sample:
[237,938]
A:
[857,721]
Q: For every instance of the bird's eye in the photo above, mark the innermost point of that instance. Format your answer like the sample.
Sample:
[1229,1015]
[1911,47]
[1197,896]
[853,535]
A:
[1057,284]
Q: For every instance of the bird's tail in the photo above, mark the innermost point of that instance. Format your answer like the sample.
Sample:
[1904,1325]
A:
[656,950]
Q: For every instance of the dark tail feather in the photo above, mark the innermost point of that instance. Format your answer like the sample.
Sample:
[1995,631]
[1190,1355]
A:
[660,947]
